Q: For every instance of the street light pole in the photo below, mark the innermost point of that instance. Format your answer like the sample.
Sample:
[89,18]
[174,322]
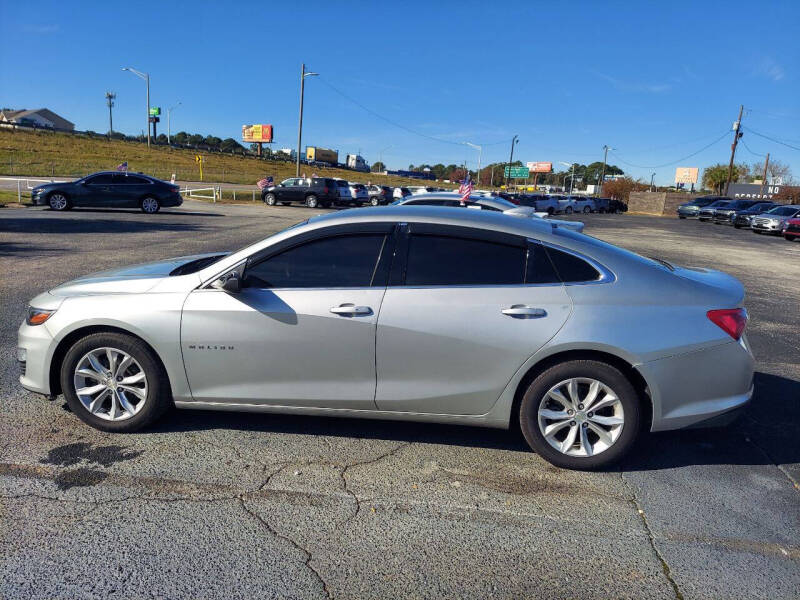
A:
[606,148]
[169,122]
[303,76]
[652,179]
[514,141]
[480,153]
[146,77]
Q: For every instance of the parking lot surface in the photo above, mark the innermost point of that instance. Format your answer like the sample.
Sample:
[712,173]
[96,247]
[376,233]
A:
[223,505]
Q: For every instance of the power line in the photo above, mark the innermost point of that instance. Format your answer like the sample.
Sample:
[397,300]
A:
[681,143]
[748,148]
[399,125]
[673,162]
[766,137]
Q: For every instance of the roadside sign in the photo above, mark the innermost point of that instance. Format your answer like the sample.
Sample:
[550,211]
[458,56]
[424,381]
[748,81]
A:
[155,111]
[517,172]
[540,167]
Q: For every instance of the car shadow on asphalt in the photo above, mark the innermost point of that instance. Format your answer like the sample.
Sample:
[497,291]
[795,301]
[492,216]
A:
[54,225]
[751,440]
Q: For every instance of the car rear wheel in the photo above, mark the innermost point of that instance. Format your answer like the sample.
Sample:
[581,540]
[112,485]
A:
[311,201]
[150,205]
[580,414]
[568,210]
[58,201]
[586,210]
[114,382]
[269,199]
[374,201]
[550,210]
[789,238]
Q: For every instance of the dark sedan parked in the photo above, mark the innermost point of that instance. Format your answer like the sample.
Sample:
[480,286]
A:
[109,189]
[692,208]
[723,214]
[742,218]
[707,213]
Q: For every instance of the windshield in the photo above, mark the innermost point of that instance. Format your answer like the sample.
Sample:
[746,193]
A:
[782,211]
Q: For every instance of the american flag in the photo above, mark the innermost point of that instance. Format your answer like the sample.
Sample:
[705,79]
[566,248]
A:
[123,166]
[264,183]
[465,189]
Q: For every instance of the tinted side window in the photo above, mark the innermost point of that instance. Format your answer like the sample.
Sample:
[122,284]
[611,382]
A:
[122,179]
[539,268]
[342,261]
[104,179]
[570,268]
[441,260]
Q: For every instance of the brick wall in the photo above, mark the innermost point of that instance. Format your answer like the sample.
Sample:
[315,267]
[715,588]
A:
[657,203]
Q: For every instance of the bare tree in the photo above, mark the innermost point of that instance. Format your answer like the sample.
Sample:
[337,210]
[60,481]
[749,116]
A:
[775,170]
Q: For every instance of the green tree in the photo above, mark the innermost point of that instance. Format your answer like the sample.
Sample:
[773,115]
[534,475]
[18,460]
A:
[181,137]
[378,167]
[715,176]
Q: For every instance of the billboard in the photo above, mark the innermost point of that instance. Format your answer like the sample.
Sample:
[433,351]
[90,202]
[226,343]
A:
[753,191]
[686,175]
[257,133]
[539,167]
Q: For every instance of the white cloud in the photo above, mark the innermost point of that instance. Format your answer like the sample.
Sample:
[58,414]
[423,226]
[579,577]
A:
[768,68]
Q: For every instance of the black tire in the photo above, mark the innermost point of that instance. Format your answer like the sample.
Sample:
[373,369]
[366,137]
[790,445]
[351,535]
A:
[550,210]
[150,205]
[735,226]
[603,372]
[789,238]
[568,210]
[269,199]
[374,201]
[159,395]
[681,217]
[311,201]
[59,201]
[586,210]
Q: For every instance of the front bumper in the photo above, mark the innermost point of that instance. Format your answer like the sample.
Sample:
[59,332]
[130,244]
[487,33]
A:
[692,388]
[771,227]
[35,344]
[687,213]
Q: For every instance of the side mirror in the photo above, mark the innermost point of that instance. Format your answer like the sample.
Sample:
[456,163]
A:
[232,284]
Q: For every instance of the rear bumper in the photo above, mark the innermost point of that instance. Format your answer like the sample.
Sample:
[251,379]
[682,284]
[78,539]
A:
[692,388]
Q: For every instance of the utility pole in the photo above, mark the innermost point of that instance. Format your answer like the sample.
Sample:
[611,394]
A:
[652,180]
[764,178]
[110,96]
[736,135]
[303,76]
[514,141]
[169,123]
[480,153]
[603,172]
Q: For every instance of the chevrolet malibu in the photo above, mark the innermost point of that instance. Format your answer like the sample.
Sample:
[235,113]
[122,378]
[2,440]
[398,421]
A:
[109,189]
[405,313]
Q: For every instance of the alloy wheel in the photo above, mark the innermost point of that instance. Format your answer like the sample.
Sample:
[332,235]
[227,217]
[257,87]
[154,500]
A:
[150,205]
[58,201]
[110,384]
[581,417]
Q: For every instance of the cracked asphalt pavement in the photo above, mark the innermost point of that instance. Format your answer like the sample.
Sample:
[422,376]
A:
[224,505]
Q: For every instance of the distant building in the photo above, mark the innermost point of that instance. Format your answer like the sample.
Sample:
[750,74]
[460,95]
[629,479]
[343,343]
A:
[40,117]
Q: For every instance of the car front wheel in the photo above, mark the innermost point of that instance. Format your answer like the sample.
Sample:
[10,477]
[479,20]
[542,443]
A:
[568,210]
[311,201]
[113,382]
[269,199]
[58,201]
[374,201]
[581,414]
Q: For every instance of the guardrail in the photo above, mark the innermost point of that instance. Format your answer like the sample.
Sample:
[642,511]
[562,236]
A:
[195,193]
[28,185]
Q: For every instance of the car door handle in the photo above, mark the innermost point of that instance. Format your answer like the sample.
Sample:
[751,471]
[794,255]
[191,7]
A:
[350,310]
[521,310]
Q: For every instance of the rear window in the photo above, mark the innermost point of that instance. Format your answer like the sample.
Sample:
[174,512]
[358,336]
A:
[342,184]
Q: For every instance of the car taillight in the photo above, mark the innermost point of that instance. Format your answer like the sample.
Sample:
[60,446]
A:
[326,190]
[731,320]
[175,188]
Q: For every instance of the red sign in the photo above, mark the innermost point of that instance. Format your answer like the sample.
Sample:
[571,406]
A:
[539,167]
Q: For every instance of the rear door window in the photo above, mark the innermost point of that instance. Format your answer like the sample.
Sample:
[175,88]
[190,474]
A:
[437,260]
[102,179]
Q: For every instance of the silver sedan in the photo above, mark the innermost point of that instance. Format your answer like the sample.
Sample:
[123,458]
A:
[407,313]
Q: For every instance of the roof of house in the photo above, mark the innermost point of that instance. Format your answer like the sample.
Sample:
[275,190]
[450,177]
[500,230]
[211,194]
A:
[58,122]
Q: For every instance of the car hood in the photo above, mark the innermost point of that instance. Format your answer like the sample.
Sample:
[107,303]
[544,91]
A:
[134,279]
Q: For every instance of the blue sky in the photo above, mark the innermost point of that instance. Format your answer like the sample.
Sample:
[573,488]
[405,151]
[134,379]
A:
[656,83]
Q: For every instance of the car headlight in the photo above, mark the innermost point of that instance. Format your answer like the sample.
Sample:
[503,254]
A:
[36,190]
[37,316]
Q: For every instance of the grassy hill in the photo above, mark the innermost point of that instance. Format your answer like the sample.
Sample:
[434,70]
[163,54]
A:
[44,153]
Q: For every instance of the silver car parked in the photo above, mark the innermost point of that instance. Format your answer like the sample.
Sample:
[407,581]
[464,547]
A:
[415,314]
